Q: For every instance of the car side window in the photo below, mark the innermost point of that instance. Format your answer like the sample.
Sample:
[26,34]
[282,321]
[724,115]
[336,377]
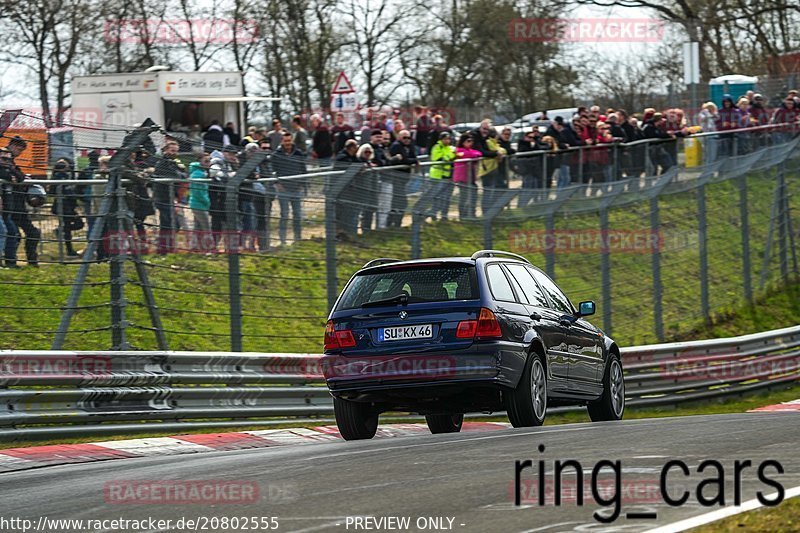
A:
[558,298]
[521,298]
[498,283]
[532,291]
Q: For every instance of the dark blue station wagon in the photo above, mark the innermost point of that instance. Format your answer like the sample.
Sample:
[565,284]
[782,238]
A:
[448,336]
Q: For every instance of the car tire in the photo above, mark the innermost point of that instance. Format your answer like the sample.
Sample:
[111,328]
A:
[611,405]
[526,405]
[356,421]
[444,423]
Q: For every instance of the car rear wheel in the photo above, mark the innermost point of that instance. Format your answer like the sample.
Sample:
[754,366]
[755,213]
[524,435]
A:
[444,423]
[526,405]
[611,405]
[356,421]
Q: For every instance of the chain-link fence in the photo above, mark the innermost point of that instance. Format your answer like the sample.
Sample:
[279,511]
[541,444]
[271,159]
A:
[247,249]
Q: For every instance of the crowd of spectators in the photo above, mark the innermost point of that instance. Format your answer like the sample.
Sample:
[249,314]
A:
[187,189]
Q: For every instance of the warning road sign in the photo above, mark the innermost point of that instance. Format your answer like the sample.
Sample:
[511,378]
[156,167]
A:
[342,85]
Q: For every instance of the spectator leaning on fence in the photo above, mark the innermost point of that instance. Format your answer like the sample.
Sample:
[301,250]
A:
[199,201]
[707,120]
[367,186]
[787,114]
[170,169]
[464,174]
[65,204]
[443,152]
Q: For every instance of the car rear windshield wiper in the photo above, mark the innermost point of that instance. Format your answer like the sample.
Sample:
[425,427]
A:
[399,299]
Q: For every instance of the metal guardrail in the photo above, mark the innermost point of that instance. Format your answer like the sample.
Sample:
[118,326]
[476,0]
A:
[59,393]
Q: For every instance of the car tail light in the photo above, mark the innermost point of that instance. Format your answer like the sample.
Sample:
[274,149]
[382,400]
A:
[488,326]
[331,342]
[466,329]
[334,339]
[345,338]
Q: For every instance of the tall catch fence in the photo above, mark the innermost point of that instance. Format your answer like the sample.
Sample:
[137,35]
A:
[150,250]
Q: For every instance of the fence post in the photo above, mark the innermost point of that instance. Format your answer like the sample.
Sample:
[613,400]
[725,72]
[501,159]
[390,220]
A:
[744,217]
[605,267]
[334,185]
[501,200]
[60,213]
[549,247]
[783,217]
[330,242]
[432,191]
[232,244]
[658,321]
[702,234]
[119,304]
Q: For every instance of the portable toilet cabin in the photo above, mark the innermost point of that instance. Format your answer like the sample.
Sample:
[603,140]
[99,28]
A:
[735,85]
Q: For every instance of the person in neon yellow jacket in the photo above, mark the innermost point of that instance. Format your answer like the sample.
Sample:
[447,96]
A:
[444,152]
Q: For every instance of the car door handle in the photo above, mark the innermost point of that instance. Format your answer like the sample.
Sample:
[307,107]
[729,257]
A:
[565,322]
[536,316]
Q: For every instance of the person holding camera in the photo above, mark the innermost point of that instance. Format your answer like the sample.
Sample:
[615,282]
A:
[66,203]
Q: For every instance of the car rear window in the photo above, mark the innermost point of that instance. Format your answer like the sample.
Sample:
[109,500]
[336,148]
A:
[436,283]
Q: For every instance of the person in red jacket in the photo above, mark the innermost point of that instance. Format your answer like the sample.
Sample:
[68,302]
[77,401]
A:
[787,114]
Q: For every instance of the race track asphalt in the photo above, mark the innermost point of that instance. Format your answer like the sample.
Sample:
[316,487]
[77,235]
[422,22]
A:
[467,477]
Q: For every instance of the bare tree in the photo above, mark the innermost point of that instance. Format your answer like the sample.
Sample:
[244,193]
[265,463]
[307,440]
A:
[50,37]
[380,35]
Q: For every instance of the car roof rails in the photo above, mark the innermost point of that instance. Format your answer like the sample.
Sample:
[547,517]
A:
[493,253]
[381,261]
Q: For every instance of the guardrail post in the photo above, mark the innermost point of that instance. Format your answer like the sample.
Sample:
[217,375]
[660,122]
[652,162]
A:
[658,323]
[119,323]
[605,267]
[702,233]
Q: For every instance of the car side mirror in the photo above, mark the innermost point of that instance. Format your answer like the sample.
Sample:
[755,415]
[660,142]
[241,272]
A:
[586,308]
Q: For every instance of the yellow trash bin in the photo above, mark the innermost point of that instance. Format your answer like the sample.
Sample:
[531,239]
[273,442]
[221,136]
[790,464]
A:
[693,151]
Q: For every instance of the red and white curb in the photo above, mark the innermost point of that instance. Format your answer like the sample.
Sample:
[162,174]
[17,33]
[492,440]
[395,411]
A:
[38,456]
[786,407]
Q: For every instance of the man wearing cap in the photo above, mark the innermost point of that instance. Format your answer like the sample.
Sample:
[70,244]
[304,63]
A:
[443,152]
[18,211]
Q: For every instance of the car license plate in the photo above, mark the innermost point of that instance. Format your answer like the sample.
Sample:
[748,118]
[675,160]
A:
[421,331]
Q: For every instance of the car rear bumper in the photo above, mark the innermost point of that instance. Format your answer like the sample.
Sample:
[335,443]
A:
[494,365]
